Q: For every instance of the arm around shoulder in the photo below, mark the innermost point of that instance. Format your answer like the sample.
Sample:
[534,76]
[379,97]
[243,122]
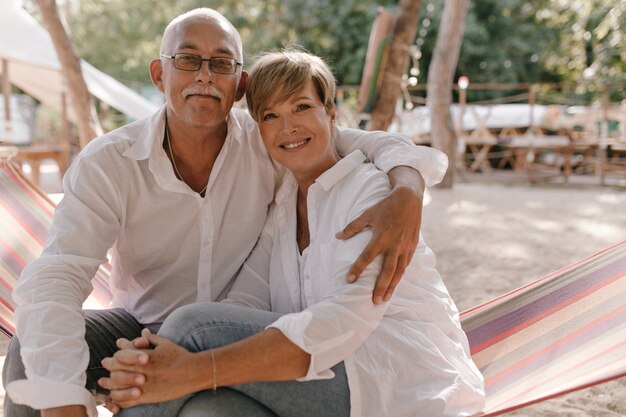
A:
[388,150]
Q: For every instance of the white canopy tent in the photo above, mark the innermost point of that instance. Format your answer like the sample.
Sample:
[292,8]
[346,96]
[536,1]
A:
[29,62]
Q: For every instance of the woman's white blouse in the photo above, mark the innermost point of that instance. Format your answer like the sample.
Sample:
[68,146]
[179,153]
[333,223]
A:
[407,357]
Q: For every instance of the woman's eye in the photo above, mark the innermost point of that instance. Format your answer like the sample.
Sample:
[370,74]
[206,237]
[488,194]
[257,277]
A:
[268,116]
[302,106]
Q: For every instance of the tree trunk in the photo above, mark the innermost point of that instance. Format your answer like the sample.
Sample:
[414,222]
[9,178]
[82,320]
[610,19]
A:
[80,98]
[397,64]
[440,79]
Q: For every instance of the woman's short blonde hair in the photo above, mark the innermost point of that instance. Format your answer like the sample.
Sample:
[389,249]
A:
[275,76]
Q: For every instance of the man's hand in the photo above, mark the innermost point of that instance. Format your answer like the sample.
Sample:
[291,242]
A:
[395,223]
[149,376]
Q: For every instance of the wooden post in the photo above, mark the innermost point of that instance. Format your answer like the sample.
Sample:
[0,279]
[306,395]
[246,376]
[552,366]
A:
[604,135]
[532,98]
[6,93]
[105,117]
[397,64]
[64,162]
[462,103]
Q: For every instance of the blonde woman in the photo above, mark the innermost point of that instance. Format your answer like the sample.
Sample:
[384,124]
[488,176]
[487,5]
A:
[338,352]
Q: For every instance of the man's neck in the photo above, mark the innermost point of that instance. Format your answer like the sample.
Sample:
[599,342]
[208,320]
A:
[196,149]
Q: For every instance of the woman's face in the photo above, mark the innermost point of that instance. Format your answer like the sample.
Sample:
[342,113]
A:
[298,133]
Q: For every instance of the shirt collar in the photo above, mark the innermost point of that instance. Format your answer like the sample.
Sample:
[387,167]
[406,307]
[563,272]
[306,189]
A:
[145,143]
[148,145]
[342,168]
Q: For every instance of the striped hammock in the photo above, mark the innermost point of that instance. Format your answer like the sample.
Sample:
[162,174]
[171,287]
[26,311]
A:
[25,217]
[564,332]
[559,334]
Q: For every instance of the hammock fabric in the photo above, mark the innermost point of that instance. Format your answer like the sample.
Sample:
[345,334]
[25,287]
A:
[25,217]
[564,332]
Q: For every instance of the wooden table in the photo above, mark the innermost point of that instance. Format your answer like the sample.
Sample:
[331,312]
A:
[616,164]
[34,154]
[526,148]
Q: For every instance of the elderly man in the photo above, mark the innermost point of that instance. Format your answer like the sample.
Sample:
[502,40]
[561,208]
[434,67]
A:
[179,200]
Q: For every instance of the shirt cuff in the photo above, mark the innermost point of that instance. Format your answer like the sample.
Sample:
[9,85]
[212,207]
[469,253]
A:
[290,325]
[41,393]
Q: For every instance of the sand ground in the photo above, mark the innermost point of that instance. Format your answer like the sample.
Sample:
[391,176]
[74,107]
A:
[490,238]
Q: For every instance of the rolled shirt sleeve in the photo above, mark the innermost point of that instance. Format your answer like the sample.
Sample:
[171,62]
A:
[49,394]
[389,150]
[52,289]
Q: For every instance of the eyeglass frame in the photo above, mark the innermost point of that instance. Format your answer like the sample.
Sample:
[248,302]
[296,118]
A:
[209,60]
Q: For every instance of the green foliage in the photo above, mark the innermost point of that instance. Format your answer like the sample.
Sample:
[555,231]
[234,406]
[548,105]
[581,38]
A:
[534,41]
[502,43]
[120,37]
[505,41]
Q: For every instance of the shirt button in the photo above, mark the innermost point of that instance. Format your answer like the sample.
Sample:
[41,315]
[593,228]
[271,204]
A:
[307,277]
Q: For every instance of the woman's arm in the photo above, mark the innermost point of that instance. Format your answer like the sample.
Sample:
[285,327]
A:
[168,371]
[302,345]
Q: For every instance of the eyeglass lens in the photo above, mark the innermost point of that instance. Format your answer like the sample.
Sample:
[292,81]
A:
[190,62]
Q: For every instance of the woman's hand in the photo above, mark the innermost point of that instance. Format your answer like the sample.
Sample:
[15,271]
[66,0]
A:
[144,376]
[395,222]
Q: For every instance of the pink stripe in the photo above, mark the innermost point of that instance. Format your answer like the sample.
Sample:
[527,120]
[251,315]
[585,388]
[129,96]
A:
[28,226]
[32,190]
[6,303]
[521,395]
[617,375]
[515,329]
[6,285]
[7,326]
[553,346]
[14,255]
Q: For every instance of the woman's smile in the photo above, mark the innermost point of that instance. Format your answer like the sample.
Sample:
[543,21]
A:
[290,146]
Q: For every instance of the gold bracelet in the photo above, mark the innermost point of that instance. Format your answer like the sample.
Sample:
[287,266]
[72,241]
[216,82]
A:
[214,371]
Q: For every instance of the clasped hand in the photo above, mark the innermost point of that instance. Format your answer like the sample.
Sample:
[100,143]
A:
[149,369]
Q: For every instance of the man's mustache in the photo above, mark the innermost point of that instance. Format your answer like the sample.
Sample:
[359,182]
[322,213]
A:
[203,91]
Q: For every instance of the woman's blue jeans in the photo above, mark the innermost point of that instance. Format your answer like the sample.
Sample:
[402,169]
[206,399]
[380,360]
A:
[204,326]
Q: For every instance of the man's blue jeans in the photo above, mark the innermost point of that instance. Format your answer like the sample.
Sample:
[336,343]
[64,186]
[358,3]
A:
[204,326]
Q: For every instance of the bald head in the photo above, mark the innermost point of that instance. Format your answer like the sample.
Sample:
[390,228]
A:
[200,15]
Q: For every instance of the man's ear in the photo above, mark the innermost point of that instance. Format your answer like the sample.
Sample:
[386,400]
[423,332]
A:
[156,73]
[243,86]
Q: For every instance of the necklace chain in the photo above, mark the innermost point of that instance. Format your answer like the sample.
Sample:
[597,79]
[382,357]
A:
[169,147]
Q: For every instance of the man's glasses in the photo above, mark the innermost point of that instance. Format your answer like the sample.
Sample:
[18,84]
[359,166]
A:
[191,62]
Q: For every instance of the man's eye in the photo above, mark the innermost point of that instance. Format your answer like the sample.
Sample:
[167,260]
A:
[188,58]
[224,64]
